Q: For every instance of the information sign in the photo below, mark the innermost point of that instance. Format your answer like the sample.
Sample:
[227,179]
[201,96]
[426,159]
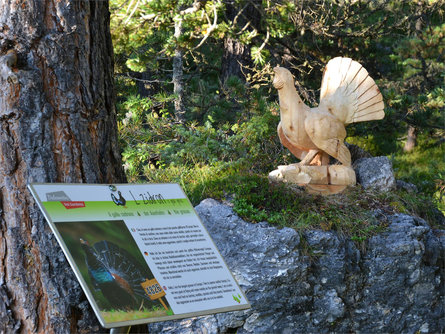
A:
[140,252]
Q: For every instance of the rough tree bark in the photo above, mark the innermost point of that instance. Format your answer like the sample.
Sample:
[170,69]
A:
[178,84]
[236,54]
[57,124]
[178,70]
[411,139]
[411,135]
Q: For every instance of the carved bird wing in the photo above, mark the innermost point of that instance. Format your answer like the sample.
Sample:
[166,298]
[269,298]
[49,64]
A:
[286,143]
[349,93]
[328,134]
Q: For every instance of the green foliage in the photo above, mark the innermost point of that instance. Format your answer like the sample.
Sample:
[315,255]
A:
[425,167]
[152,142]
[228,142]
[349,213]
[420,98]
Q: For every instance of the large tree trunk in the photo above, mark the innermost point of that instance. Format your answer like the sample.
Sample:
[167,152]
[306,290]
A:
[237,56]
[411,139]
[58,124]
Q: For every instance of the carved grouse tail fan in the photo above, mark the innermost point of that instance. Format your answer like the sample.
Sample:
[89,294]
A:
[349,93]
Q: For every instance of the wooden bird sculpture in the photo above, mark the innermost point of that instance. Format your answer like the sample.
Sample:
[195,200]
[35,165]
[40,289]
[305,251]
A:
[348,95]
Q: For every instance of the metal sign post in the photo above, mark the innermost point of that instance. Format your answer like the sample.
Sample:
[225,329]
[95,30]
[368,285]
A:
[120,330]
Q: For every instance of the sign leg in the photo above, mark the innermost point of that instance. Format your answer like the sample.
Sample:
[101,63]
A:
[120,330]
[163,304]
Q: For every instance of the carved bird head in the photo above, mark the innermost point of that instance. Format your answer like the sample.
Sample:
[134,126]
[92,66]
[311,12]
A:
[84,242]
[282,77]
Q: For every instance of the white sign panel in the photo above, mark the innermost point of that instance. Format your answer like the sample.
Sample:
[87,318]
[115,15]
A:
[140,252]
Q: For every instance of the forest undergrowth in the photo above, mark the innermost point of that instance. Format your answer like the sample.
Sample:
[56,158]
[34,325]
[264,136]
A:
[211,127]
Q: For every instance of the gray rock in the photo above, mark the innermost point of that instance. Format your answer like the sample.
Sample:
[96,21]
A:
[375,173]
[357,152]
[409,187]
[325,284]
[401,286]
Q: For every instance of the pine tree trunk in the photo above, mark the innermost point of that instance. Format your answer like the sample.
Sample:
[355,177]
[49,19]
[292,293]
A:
[57,124]
[178,85]
[411,139]
[235,56]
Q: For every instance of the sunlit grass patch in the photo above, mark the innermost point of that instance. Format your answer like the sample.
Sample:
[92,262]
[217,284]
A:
[425,167]
[356,213]
[121,315]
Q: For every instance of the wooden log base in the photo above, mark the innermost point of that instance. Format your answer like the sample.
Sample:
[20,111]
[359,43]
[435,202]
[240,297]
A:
[324,180]
[324,189]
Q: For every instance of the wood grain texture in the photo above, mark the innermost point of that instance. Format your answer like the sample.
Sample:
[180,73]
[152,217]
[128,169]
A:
[58,124]
[348,94]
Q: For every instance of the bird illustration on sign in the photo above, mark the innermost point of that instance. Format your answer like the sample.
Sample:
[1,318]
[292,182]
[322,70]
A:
[116,274]
[119,200]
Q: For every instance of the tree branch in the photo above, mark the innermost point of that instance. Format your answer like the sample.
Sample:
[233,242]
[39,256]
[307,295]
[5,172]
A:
[212,27]
[128,76]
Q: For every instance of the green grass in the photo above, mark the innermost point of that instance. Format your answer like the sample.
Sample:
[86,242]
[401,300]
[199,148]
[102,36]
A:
[424,167]
[120,315]
[231,163]
[255,199]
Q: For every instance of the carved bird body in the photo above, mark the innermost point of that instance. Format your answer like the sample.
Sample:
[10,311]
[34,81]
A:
[348,95]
